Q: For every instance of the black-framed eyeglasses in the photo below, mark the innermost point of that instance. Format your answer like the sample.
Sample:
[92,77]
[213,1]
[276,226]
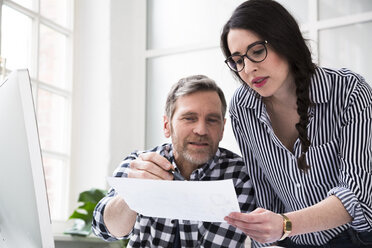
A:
[256,52]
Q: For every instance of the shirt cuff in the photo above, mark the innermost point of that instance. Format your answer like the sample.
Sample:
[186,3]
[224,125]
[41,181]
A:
[100,229]
[352,206]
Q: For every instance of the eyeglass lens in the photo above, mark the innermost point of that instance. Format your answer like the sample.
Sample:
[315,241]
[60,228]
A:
[257,53]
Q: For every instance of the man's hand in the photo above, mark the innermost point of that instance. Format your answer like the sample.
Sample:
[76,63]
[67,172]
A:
[151,166]
[118,217]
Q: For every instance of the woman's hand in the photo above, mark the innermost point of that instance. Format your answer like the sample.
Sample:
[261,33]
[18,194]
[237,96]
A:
[261,225]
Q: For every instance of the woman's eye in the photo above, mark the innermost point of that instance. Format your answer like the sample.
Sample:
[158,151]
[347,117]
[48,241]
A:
[239,61]
[258,52]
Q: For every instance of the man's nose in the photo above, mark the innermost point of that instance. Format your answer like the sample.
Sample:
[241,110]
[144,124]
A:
[201,128]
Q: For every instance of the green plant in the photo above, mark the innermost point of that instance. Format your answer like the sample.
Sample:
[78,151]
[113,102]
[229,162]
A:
[83,214]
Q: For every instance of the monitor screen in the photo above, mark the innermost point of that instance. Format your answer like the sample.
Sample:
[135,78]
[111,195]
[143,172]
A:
[24,212]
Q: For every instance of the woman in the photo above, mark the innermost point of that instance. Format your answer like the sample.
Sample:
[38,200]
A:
[305,133]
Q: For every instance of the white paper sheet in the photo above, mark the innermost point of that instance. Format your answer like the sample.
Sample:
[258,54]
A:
[185,200]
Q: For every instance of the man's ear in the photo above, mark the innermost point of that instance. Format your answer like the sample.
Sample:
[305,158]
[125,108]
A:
[166,127]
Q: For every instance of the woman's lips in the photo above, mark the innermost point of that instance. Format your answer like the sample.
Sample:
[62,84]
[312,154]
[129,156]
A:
[259,81]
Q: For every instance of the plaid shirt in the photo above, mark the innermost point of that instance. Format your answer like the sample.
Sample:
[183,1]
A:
[160,232]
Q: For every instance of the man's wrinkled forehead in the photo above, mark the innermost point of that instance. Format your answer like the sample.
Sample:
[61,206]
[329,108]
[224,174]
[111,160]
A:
[193,110]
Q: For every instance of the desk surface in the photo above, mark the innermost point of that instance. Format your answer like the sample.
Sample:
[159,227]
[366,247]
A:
[68,241]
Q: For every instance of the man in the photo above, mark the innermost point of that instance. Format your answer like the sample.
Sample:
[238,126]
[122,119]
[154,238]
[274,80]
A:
[194,120]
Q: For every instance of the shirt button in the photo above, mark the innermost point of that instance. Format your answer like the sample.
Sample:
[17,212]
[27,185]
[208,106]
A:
[298,185]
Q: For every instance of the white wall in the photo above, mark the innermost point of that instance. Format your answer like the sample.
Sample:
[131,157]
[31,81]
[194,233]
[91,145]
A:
[128,72]
[91,92]
[108,106]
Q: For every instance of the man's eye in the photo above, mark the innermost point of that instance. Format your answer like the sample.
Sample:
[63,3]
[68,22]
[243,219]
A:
[213,120]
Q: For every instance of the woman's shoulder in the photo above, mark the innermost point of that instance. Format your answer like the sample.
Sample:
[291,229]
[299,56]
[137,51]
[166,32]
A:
[342,75]
[350,81]
[339,81]
[341,86]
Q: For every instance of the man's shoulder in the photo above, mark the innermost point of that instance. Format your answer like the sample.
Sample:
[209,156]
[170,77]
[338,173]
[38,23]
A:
[225,155]
[227,165]
[226,152]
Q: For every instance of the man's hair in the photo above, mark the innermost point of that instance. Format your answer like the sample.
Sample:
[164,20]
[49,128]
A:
[272,22]
[189,85]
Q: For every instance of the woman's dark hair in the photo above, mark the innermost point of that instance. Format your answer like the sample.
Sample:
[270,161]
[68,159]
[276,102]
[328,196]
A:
[272,22]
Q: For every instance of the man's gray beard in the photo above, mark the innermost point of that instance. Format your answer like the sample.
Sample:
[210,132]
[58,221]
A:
[196,161]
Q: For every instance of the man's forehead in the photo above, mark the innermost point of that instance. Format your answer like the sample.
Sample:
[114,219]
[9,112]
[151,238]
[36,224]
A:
[195,103]
[201,96]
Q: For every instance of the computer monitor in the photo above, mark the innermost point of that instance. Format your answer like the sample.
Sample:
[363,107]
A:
[24,212]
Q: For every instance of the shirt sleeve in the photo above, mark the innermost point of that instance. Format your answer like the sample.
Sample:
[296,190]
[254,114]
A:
[98,225]
[354,189]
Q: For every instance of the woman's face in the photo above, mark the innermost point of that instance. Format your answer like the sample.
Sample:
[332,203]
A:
[271,77]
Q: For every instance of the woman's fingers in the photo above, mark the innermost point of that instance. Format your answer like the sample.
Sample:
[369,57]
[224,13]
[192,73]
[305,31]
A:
[262,225]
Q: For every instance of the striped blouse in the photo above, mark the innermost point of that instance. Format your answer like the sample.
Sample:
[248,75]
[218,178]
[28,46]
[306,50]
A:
[340,155]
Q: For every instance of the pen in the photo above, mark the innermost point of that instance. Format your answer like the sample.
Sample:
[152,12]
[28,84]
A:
[177,175]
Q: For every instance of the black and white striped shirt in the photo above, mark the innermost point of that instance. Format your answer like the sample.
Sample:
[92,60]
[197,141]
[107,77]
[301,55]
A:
[160,232]
[340,155]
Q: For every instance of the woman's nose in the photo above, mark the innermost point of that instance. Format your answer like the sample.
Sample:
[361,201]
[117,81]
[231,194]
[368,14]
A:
[249,66]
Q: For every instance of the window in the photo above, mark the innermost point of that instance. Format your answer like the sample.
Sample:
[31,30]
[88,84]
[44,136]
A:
[37,35]
[344,35]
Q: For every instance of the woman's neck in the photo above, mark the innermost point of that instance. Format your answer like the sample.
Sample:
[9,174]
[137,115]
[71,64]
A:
[285,98]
